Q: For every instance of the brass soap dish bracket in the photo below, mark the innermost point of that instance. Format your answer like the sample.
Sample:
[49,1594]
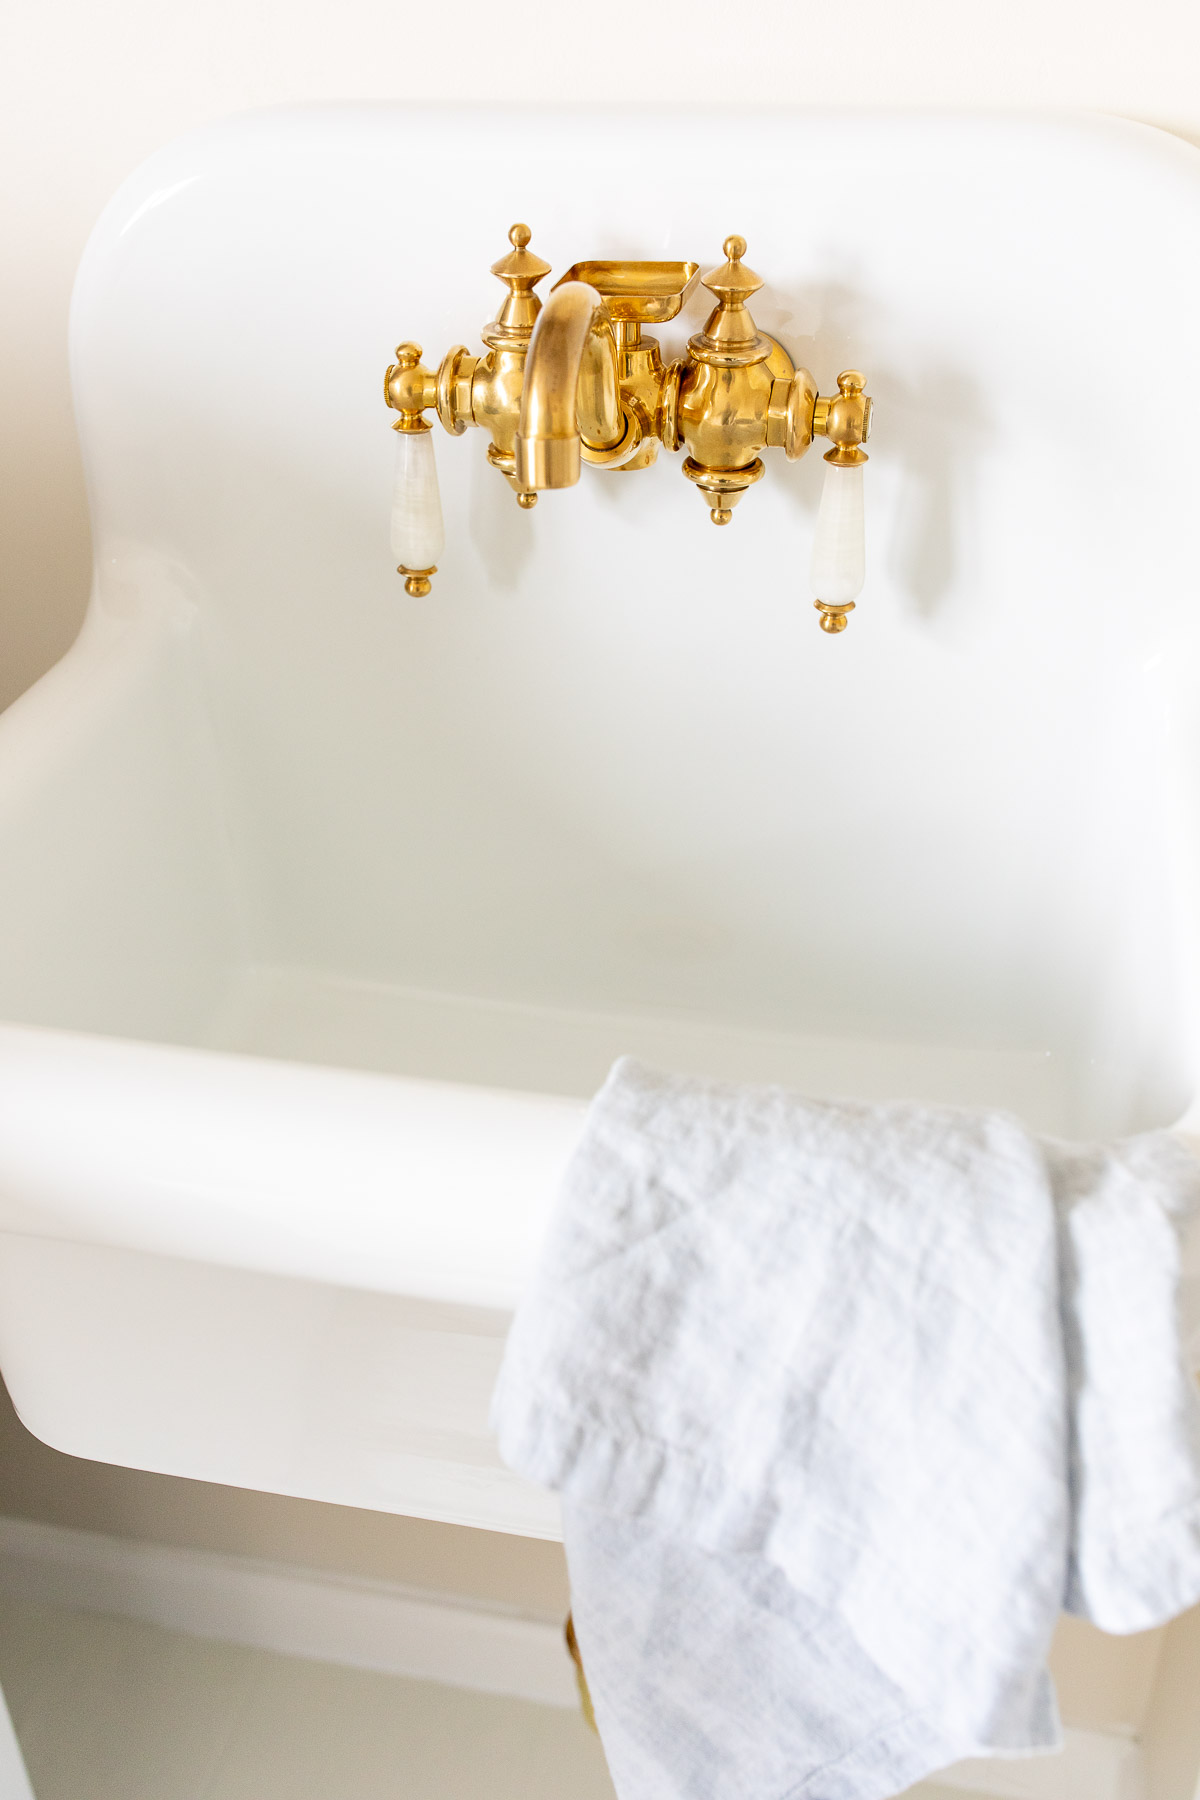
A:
[575,381]
[637,294]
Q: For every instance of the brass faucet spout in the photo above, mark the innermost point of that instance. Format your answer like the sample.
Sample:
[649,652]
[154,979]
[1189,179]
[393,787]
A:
[571,394]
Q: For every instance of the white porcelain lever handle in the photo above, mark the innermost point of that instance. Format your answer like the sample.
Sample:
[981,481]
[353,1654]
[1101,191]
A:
[418,536]
[839,547]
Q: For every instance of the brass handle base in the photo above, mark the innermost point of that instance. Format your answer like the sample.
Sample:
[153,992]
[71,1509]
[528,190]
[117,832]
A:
[834,618]
[417,581]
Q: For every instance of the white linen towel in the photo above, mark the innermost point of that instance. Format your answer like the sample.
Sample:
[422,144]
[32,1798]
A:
[845,1402]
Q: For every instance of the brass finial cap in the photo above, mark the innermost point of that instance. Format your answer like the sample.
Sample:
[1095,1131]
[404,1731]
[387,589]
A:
[731,337]
[521,269]
[733,281]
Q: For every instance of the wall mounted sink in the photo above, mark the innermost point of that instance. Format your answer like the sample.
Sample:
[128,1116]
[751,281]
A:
[324,909]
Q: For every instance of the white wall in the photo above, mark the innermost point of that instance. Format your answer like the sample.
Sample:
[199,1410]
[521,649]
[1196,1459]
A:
[86,90]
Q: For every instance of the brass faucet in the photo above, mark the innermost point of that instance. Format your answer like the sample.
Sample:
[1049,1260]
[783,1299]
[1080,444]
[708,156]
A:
[575,381]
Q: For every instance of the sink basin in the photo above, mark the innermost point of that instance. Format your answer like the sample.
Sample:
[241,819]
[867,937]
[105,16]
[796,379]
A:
[324,909]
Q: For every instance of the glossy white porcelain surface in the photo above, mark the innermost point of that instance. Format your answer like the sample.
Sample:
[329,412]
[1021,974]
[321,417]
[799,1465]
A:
[324,909]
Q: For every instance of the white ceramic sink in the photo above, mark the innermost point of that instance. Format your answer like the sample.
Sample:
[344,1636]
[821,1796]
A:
[322,910]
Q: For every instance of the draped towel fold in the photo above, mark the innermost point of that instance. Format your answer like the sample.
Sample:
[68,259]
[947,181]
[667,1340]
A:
[845,1402]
